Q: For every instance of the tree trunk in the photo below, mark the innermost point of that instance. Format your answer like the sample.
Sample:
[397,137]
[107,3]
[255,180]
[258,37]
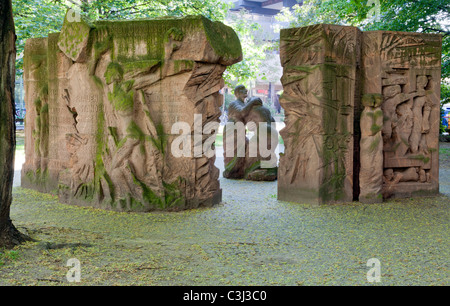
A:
[9,235]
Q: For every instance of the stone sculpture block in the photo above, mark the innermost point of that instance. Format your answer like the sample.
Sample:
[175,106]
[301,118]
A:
[319,82]
[362,114]
[101,100]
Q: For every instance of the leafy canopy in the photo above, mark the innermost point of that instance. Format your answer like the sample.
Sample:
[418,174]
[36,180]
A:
[254,48]
[427,16]
[37,18]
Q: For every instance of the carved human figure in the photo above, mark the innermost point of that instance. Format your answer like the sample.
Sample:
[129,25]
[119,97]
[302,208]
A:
[421,111]
[238,110]
[235,145]
[404,127]
[261,165]
[412,174]
[392,177]
[239,163]
[82,171]
[393,97]
[371,144]
[124,164]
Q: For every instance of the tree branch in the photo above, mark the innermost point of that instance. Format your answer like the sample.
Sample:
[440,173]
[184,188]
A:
[162,2]
[437,30]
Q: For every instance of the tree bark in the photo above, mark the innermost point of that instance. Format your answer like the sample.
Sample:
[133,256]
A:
[9,235]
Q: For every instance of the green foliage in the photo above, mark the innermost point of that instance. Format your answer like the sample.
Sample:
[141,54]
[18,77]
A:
[254,51]
[309,13]
[131,9]
[445,98]
[32,19]
[8,255]
[37,18]
[427,16]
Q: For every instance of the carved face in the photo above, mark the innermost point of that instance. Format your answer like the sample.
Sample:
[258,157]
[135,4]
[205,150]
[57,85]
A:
[389,174]
[422,81]
[241,94]
[391,91]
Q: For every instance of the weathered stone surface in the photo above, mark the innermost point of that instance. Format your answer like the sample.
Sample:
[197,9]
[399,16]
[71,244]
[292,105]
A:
[371,148]
[319,81]
[101,132]
[335,152]
[37,115]
[74,37]
[407,74]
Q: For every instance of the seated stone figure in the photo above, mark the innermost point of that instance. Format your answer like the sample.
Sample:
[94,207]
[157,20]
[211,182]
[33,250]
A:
[243,157]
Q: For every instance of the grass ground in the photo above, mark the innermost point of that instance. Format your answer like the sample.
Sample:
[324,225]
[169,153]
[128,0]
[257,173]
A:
[250,239]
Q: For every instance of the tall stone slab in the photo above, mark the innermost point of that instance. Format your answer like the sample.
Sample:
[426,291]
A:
[371,122]
[111,93]
[35,168]
[320,98]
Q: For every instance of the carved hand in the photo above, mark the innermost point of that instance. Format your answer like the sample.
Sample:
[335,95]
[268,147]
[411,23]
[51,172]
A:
[421,92]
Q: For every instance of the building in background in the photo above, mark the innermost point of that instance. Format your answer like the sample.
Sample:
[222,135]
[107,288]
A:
[263,7]
[263,12]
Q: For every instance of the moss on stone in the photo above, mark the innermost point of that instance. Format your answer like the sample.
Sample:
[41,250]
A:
[140,66]
[172,195]
[420,157]
[374,145]
[334,141]
[74,35]
[253,167]
[230,165]
[113,73]
[38,178]
[161,140]
[135,132]
[375,128]
[222,39]
[121,99]
[100,171]
[114,134]
[100,44]
[154,33]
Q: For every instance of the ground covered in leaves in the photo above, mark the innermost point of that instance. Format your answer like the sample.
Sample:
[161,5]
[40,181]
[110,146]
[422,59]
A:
[250,239]
[257,242]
